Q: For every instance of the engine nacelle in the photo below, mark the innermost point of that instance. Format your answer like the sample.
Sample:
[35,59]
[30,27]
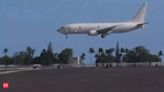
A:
[93,33]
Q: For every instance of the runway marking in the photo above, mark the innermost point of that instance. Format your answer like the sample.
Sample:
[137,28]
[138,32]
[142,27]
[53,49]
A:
[16,70]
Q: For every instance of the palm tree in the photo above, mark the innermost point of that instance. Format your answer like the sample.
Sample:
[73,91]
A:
[29,55]
[122,50]
[6,58]
[91,51]
[160,53]
[5,51]
[30,51]
[100,51]
[126,50]
[82,57]
[110,51]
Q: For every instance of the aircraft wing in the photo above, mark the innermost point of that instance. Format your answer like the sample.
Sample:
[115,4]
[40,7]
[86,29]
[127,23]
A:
[105,30]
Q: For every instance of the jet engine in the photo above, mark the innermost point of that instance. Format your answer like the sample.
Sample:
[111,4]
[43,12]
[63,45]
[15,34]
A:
[93,33]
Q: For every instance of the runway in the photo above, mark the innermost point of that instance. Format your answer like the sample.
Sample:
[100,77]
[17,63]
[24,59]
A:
[118,79]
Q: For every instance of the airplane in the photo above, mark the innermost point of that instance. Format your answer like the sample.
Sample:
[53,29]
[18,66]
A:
[104,29]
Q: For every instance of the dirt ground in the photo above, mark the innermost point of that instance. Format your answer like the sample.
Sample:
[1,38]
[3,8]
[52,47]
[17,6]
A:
[121,79]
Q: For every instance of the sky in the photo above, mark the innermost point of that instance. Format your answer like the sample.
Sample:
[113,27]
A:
[35,22]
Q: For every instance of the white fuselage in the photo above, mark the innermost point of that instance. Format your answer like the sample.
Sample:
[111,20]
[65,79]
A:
[103,29]
[85,28]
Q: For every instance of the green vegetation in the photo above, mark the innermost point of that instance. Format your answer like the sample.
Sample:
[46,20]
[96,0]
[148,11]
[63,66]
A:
[91,51]
[135,55]
[48,57]
[65,55]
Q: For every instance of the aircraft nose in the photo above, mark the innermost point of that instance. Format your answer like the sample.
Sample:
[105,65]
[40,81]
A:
[58,30]
[61,30]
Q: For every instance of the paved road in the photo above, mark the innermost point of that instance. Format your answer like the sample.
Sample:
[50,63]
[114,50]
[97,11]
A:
[124,79]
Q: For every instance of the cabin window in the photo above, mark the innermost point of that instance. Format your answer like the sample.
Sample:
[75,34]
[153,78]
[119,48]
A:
[80,27]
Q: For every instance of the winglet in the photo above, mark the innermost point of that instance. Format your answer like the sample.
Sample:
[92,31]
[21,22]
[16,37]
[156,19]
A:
[140,16]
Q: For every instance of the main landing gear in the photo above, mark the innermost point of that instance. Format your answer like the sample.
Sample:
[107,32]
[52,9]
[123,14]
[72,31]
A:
[102,36]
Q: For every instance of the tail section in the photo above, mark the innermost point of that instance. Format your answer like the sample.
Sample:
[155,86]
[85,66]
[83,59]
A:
[140,16]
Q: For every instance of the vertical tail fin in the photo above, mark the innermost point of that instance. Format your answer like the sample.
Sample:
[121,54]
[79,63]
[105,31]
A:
[140,16]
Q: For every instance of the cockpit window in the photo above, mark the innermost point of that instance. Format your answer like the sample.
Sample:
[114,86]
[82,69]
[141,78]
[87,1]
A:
[62,27]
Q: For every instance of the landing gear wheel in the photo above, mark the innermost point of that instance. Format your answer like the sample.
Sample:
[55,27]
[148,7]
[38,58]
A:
[102,36]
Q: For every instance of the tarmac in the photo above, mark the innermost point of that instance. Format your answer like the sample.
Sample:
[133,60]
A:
[117,79]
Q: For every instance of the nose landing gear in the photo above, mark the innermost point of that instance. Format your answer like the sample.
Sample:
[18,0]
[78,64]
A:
[102,36]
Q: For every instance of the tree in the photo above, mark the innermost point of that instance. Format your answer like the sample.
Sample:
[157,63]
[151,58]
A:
[30,51]
[82,57]
[126,50]
[106,57]
[130,57]
[29,55]
[56,59]
[19,58]
[101,51]
[122,53]
[109,51]
[6,60]
[140,54]
[122,50]
[50,55]
[65,55]
[47,57]
[43,57]
[160,53]
[154,58]
[36,60]
[91,51]
[5,51]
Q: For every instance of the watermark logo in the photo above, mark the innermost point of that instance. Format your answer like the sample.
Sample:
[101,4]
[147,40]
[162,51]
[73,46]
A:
[5,85]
